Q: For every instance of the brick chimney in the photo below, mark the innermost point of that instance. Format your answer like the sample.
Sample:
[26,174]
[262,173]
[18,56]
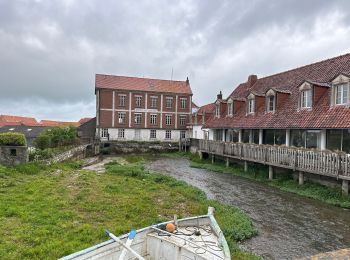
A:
[251,80]
[219,96]
[187,81]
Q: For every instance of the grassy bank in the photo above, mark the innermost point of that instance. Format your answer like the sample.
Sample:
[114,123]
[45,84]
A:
[47,212]
[284,181]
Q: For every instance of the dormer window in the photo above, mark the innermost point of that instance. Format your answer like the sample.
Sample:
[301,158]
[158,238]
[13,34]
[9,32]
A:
[217,110]
[229,107]
[305,98]
[270,101]
[251,104]
[341,94]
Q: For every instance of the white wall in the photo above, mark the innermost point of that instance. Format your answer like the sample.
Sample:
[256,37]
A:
[129,134]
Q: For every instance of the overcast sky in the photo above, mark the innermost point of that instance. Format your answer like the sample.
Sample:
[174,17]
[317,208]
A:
[50,50]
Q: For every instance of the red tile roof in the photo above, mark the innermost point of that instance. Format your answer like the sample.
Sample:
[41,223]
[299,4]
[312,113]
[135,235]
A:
[84,120]
[142,84]
[288,115]
[51,123]
[209,108]
[6,120]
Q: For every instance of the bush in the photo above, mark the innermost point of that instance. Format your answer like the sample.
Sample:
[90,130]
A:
[15,139]
[57,137]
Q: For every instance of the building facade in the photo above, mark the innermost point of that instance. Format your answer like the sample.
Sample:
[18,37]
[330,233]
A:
[304,107]
[142,109]
[199,118]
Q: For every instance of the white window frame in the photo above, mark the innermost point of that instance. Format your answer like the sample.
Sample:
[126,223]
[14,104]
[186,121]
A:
[154,101]
[271,99]
[121,133]
[169,102]
[251,106]
[217,110]
[168,119]
[104,132]
[122,98]
[121,118]
[183,102]
[306,98]
[344,98]
[138,118]
[168,134]
[138,101]
[153,134]
[153,119]
[230,108]
[183,120]
[182,134]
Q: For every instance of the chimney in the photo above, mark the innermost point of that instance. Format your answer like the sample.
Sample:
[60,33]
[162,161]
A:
[219,96]
[187,81]
[251,80]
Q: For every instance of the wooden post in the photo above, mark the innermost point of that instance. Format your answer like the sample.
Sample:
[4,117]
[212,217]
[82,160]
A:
[245,166]
[345,187]
[227,162]
[301,178]
[212,158]
[270,172]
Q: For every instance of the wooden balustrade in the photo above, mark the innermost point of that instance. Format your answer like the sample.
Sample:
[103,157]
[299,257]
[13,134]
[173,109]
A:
[335,164]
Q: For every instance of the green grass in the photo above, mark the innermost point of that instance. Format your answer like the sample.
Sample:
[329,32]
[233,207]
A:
[47,212]
[282,181]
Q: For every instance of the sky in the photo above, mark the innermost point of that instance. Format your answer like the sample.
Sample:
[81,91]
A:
[50,50]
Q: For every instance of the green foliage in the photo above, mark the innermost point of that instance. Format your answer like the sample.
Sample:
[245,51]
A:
[57,137]
[13,139]
[52,211]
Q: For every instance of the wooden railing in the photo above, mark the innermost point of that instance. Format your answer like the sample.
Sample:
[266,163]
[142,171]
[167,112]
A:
[335,164]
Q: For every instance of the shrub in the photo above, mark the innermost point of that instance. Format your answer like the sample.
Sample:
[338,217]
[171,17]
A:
[57,137]
[15,139]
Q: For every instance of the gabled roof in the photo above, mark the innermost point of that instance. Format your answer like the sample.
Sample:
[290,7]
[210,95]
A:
[17,120]
[209,108]
[51,123]
[142,84]
[288,115]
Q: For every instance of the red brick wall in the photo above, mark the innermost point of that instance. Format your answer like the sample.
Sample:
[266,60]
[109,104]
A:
[281,99]
[178,121]
[133,100]
[116,120]
[259,104]
[172,109]
[133,124]
[172,126]
[238,105]
[117,104]
[105,118]
[149,121]
[149,95]
[318,93]
[188,104]
[106,98]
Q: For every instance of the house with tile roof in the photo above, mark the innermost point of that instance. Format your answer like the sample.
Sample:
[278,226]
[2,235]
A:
[131,108]
[302,107]
[199,118]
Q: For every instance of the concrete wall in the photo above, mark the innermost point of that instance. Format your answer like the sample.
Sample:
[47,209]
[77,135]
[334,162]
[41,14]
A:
[13,155]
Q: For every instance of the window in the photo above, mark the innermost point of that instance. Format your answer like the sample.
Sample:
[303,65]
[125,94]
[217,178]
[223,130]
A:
[233,135]
[121,117]
[255,136]
[153,119]
[305,99]
[251,106]
[182,134]
[306,138]
[168,134]
[138,101]
[154,102]
[183,120]
[168,119]
[270,103]
[217,110]
[274,137]
[121,133]
[104,132]
[153,134]
[138,118]
[169,102]
[245,135]
[230,108]
[338,140]
[137,134]
[122,100]
[341,94]
[183,102]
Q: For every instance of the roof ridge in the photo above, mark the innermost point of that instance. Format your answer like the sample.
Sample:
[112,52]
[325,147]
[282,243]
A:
[304,66]
[110,75]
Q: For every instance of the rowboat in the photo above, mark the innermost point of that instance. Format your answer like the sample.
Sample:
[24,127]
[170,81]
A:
[194,238]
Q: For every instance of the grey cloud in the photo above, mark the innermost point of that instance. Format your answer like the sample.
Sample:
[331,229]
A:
[50,50]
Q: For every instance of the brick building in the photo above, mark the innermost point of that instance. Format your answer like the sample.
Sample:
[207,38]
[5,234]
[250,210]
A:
[303,107]
[130,108]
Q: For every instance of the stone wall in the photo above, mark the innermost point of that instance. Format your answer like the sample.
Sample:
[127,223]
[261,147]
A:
[13,155]
[78,152]
[138,147]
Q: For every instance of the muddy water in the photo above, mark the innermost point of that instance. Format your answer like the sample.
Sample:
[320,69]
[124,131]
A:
[289,226]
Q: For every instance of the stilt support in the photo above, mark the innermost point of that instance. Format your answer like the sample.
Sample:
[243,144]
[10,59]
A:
[301,178]
[270,172]
[345,187]
[200,155]
[227,162]
[212,158]
[245,166]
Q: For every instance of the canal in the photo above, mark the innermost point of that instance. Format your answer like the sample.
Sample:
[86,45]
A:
[289,226]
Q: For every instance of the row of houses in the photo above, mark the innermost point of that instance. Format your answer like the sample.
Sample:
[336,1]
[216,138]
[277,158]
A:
[303,107]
